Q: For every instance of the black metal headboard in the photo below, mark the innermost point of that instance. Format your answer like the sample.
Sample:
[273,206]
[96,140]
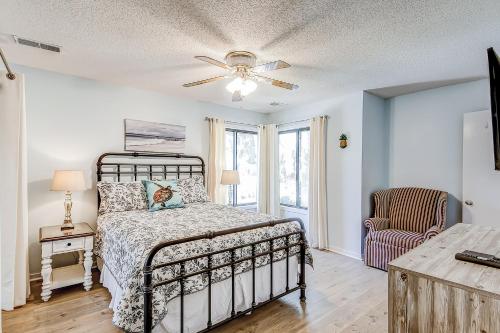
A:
[137,166]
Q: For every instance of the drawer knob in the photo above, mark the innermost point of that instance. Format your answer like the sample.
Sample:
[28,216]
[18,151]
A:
[69,244]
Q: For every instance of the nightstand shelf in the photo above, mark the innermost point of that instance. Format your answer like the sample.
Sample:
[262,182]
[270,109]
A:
[67,276]
[55,241]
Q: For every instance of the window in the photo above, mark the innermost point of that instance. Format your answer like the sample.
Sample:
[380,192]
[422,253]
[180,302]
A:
[241,155]
[294,167]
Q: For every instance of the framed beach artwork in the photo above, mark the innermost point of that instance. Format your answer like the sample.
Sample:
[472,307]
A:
[154,137]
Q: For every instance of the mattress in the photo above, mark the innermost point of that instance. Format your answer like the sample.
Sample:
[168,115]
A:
[124,239]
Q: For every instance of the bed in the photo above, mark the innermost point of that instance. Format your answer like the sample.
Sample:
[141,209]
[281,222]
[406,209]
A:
[194,268]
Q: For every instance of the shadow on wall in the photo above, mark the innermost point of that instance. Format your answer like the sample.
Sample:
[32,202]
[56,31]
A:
[453,211]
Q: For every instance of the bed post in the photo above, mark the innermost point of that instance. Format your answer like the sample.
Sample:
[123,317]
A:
[302,278]
[148,299]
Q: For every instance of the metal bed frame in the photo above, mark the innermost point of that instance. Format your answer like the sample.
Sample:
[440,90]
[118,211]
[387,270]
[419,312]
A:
[163,170]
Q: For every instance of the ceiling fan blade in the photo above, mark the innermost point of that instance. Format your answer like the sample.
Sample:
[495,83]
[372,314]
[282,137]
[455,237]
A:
[237,96]
[213,61]
[197,83]
[277,83]
[270,66]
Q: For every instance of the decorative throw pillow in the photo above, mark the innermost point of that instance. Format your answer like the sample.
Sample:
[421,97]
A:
[121,196]
[192,189]
[162,194]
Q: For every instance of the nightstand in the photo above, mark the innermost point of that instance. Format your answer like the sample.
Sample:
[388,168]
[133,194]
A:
[56,241]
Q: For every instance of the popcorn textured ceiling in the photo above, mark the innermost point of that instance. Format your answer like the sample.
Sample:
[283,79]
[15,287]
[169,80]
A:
[334,47]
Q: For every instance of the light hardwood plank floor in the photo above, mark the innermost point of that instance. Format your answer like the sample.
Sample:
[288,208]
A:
[343,295]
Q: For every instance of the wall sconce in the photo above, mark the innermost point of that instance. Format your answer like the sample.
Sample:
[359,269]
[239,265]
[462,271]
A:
[343,141]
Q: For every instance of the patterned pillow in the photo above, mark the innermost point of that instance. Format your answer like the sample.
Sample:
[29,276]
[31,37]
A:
[121,196]
[162,194]
[192,189]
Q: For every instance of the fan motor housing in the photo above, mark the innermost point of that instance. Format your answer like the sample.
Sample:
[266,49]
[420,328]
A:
[241,59]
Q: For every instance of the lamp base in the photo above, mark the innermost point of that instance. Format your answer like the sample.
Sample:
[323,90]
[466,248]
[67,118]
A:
[67,225]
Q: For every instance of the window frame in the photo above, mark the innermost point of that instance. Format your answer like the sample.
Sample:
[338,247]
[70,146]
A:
[297,131]
[234,132]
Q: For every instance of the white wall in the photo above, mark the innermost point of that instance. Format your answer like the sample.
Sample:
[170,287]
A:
[343,167]
[375,168]
[71,121]
[426,138]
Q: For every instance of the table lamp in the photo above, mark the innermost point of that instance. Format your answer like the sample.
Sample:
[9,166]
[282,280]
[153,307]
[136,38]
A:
[230,177]
[68,181]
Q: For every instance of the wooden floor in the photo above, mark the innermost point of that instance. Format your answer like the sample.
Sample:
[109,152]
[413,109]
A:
[343,296]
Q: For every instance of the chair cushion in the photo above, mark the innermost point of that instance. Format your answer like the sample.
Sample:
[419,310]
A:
[399,238]
[413,209]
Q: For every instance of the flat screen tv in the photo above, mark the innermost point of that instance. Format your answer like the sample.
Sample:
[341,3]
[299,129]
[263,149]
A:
[494,65]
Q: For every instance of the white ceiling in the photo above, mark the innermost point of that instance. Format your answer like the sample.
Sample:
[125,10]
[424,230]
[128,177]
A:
[334,47]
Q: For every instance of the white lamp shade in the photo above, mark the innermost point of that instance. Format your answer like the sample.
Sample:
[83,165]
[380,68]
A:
[244,86]
[68,180]
[230,177]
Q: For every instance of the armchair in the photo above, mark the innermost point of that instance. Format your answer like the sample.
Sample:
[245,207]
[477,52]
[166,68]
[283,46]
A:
[404,218]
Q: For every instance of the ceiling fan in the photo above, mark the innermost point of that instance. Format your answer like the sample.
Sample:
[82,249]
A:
[243,68]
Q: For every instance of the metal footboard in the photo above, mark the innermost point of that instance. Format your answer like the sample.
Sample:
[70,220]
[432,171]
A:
[148,269]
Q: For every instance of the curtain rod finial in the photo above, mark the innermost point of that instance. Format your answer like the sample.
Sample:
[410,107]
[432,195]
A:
[10,75]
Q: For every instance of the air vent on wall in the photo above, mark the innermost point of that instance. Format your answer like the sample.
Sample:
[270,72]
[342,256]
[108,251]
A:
[38,45]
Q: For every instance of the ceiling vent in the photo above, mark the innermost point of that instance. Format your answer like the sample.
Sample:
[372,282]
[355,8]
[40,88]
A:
[38,45]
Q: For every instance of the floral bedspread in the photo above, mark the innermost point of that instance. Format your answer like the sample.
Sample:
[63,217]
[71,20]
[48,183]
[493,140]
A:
[124,239]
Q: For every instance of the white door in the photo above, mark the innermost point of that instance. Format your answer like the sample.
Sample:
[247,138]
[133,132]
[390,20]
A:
[481,183]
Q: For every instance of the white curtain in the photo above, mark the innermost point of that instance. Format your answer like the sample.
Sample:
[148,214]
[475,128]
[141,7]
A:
[318,233]
[216,160]
[14,194]
[268,187]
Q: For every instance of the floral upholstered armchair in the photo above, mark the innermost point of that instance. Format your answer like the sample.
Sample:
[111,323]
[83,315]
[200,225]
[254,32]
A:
[404,218]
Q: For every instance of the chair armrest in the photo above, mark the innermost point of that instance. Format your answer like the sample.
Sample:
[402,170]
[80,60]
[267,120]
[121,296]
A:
[431,232]
[377,223]
[441,210]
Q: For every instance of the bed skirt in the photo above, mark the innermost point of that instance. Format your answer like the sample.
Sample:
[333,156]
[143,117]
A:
[195,304]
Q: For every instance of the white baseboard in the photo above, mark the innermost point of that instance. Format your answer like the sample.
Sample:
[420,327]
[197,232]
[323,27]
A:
[346,253]
[35,277]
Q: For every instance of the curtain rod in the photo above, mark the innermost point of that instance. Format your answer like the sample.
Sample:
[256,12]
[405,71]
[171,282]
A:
[300,121]
[10,75]
[235,122]
[293,122]
[253,125]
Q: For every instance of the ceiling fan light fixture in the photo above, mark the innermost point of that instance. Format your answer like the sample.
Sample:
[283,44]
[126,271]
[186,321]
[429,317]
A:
[245,86]
[242,65]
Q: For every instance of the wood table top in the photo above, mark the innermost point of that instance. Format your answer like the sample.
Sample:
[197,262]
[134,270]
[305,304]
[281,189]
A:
[48,234]
[435,258]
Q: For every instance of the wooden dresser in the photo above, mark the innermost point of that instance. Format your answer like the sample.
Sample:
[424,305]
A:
[431,291]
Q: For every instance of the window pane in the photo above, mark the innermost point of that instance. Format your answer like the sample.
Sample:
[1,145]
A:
[304,168]
[229,160]
[247,168]
[287,168]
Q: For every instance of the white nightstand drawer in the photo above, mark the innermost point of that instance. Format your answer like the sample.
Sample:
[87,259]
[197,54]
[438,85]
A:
[65,245]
